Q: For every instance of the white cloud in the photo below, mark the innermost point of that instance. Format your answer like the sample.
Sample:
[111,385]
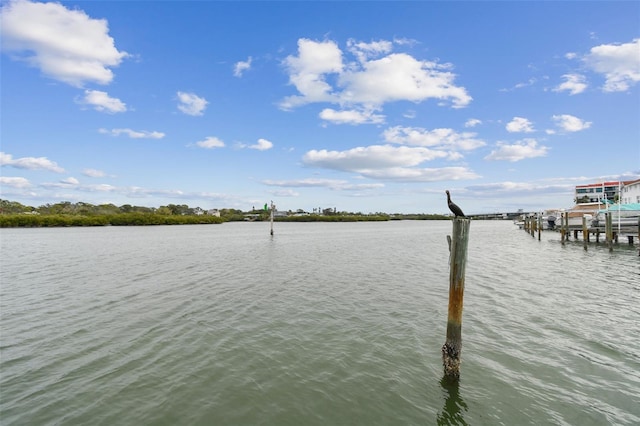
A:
[103,187]
[436,138]
[422,175]
[517,86]
[334,184]
[191,104]
[93,173]
[527,148]
[15,182]
[305,183]
[241,66]
[523,189]
[398,77]
[66,45]
[101,101]
[472,122]
[569,123]
[363,51]
[210,143]
[574,84]
[134,134]
[307,72]
[371,157]
[409,114]
[360,186]
[262,145]
[320,75]
[519,125]
[417,146]
[30,163]
[351,116]
[285,193]
[70,181]
[528,83]
[619,63]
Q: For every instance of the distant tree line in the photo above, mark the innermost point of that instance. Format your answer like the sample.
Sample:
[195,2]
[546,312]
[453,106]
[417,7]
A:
[419,216]
[15,214]
[341,217]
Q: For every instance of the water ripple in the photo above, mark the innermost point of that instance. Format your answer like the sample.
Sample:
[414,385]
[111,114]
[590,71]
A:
[319,324]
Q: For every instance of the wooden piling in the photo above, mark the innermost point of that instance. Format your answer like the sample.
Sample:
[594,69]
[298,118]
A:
[539,226]
[271,217]
[585,232]
[608,228]
[562,229]
[452,348]
[533,226]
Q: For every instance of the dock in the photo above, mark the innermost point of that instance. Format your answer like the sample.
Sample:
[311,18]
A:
[609,231]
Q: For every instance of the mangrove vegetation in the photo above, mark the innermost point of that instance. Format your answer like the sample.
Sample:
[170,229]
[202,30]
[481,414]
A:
[15,214]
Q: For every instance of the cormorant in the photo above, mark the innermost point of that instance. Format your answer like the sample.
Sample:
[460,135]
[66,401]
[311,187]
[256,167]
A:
[457,211]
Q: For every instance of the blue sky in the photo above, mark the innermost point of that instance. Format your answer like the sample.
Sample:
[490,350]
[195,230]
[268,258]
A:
[361,106]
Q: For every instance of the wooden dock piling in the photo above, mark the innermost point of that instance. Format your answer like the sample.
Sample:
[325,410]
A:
[565,227]
[452,348]
[608,229]
[271,208]
[534,222]
[539,226]
[533,226]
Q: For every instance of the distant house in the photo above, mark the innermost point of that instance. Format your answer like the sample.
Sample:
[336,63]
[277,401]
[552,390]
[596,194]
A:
[213,212]
[631,192]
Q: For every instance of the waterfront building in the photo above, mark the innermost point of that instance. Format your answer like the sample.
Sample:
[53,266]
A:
[603,192]
[631,192]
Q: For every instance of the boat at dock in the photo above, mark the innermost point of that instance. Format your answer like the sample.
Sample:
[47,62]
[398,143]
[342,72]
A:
[586,210]
[623,214]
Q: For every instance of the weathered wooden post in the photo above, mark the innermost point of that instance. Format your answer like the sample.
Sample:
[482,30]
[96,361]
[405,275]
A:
[452,347]
[539,226]
[562,231]
[608,229]
[585,234]
[533,226]
[271,217]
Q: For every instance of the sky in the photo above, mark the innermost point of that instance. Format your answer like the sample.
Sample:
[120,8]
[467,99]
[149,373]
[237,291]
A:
[358,106]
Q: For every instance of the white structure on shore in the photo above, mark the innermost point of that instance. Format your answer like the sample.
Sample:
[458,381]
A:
[602,192]
[630,192]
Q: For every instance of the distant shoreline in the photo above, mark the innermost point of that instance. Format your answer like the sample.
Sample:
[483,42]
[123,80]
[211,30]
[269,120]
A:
[22,220]
[66,214]
[122,219]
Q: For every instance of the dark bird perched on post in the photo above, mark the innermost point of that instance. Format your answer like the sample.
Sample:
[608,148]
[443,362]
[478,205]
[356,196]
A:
[457,211]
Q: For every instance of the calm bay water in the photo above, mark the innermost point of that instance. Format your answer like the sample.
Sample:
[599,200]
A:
[321,324]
